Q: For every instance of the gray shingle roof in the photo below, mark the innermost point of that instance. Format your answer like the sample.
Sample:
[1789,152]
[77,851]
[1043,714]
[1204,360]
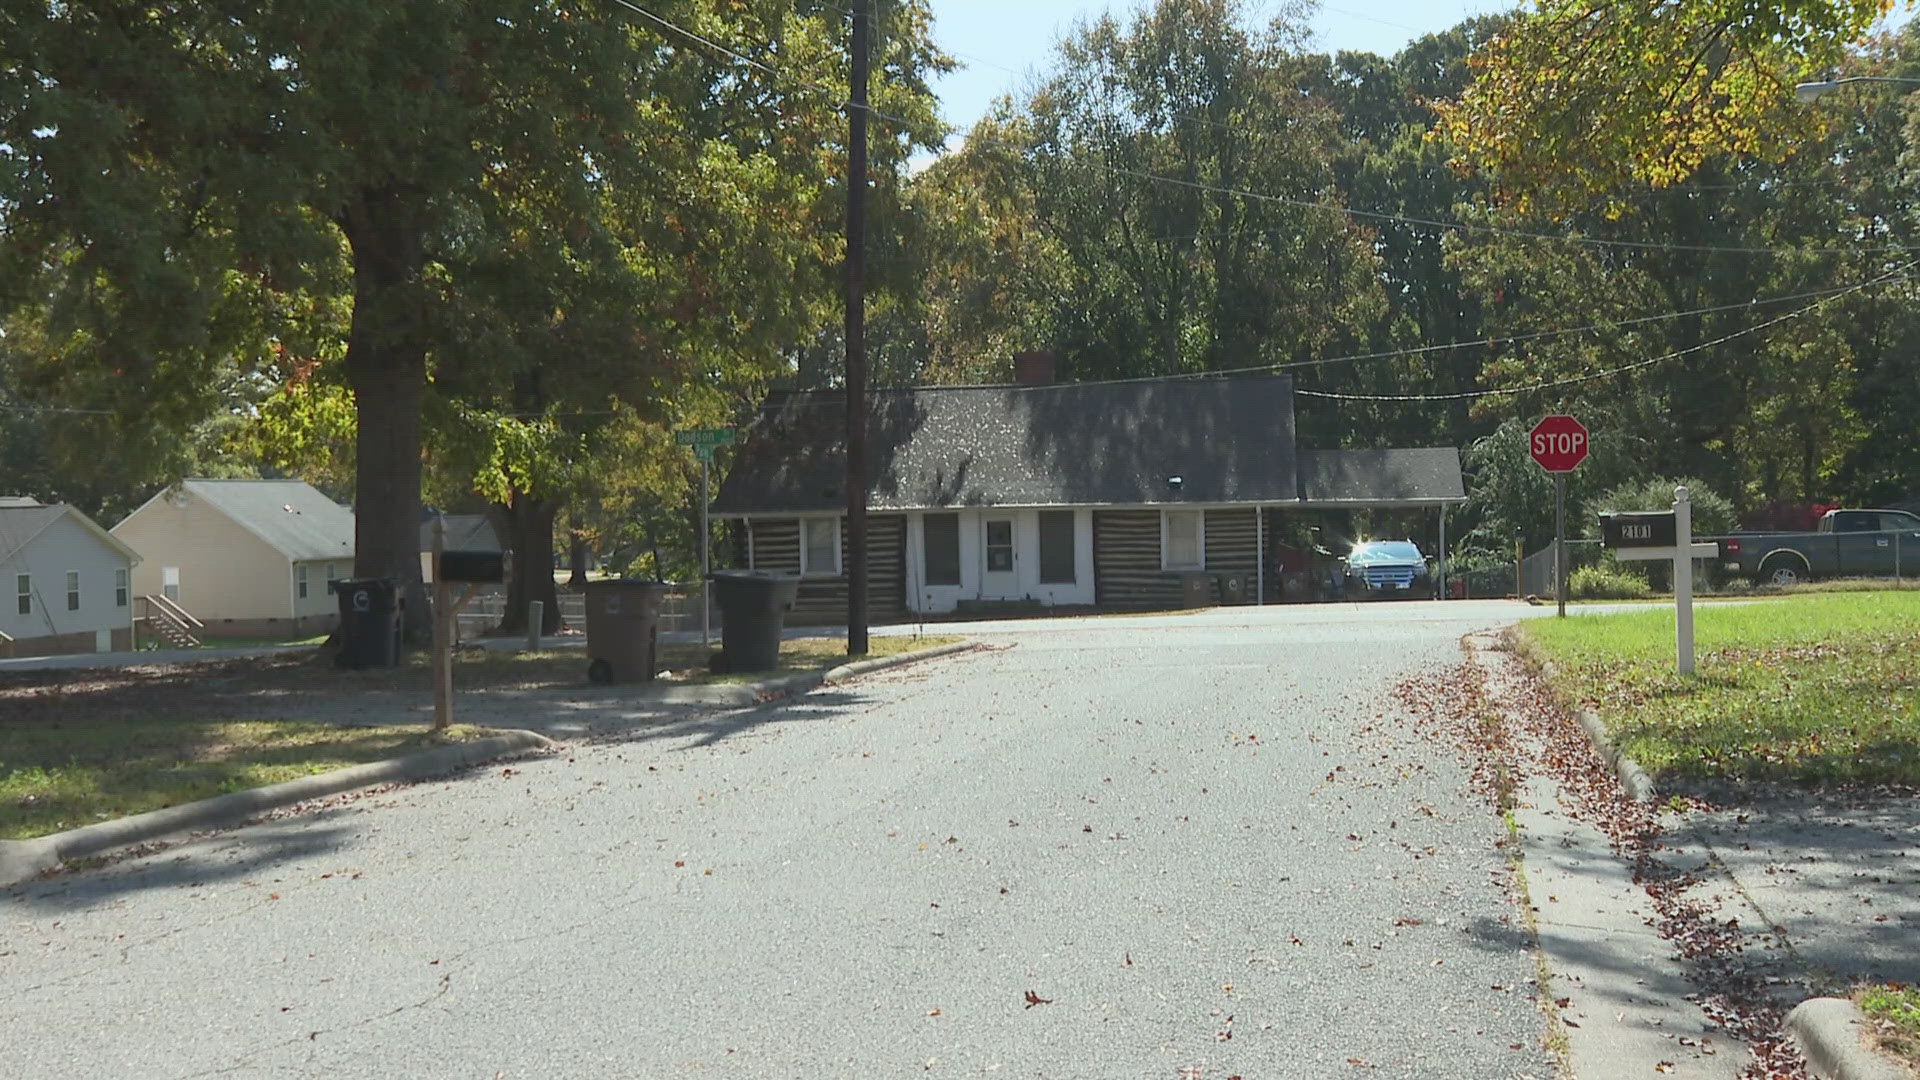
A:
[1229,440]
[1380,477]
[20,523]
[465,532]
[291,515]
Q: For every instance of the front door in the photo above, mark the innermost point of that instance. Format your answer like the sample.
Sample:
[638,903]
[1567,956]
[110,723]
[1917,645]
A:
[1000,570]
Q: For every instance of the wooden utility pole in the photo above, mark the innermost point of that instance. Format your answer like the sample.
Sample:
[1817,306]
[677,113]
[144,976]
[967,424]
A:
[857,338]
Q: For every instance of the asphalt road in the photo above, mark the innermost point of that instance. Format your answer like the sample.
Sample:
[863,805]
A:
[1208,842]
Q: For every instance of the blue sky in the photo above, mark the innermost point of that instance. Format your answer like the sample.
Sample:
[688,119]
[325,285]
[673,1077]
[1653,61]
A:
[998,41]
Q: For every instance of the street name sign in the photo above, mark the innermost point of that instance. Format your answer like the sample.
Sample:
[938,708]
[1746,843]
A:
[704,440]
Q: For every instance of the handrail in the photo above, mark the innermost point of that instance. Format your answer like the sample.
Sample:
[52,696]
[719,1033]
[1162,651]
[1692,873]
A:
[175,610]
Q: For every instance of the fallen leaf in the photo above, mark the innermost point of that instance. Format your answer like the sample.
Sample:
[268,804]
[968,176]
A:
[933,1012]
[1035,999]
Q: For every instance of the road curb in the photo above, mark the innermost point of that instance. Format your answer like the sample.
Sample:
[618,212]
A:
[23,859]
[1639,786]
[766,690]
[1831,1032]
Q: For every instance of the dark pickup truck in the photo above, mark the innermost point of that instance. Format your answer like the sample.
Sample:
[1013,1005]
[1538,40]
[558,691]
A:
[1849,543]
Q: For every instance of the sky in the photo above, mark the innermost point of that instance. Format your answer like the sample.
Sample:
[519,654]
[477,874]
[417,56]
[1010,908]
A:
[998,41]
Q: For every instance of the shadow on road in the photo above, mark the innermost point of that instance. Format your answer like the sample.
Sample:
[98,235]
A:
[192,864]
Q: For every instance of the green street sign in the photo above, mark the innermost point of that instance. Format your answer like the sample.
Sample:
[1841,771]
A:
[703,452]
[705,438]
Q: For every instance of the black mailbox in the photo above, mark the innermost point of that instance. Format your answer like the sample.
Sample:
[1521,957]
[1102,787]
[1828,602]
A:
[477,567]
[1639,529]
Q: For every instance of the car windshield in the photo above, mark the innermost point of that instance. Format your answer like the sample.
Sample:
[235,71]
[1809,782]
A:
[1387,549]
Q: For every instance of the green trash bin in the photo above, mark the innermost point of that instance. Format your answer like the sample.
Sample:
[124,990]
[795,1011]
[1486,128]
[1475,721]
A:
[623,623]
[753,610]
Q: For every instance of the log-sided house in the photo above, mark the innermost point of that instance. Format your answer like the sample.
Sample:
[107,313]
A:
[1150,494]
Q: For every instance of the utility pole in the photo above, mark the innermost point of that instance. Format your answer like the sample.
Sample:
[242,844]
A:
[857,338]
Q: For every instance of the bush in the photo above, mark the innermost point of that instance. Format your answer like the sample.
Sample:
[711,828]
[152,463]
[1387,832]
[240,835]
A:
[1605,582]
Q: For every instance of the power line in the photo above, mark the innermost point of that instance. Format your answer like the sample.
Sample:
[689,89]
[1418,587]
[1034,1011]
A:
[1635,366]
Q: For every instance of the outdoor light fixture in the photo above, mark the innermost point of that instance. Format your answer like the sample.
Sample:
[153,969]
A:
[1808,92]
[1174,482]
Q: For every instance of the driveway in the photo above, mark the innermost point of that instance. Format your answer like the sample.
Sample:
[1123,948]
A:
[1195,846]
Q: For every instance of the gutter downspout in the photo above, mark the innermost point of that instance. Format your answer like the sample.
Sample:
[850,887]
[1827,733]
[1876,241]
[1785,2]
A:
[1260,555]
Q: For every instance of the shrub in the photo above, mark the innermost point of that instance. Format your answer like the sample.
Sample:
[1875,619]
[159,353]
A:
[1606,582]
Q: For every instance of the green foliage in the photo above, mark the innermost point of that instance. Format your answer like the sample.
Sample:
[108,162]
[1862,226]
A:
[1894,1013]
[1577,98]
[1712,513]
[1606,581]
[1812,687]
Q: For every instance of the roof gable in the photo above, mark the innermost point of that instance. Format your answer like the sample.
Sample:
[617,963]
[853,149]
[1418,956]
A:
[1228,440]
[292,516]
[20,524]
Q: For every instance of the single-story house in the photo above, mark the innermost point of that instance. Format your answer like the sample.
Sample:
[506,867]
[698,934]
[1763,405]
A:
[68,582]
[1155,493]
[245,557]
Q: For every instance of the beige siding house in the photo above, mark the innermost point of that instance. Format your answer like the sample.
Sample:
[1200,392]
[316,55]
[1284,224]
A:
[245,557]
[65,582]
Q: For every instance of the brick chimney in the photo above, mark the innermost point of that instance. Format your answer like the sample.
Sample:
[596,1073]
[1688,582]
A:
[1035,368]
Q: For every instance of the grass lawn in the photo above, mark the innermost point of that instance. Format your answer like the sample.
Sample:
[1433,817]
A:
[82,746]
[1894,1012]
[63,767]
[1823,686]
[217,642]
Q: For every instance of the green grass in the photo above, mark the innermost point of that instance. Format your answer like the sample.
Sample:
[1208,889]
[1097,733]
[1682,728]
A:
[1815,687]
[215,642]
[76,767]
[1894,1012]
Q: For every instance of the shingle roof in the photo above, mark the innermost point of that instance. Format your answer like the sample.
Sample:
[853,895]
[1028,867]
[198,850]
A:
[1229,440]
[1381,477]
[19,500]
[20,523]
[291,515]
[465,532]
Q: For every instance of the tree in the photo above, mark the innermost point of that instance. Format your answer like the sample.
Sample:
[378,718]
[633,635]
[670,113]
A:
[175,168]
[1577,98]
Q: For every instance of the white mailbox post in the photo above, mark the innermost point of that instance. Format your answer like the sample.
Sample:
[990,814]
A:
[1652,536]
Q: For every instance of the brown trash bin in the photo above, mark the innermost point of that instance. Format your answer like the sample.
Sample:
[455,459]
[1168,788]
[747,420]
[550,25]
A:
[623,622]
[1196,590]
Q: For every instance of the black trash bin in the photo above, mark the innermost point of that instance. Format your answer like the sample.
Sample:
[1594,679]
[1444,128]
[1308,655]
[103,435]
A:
[753,609]
[369,622]
[623,622]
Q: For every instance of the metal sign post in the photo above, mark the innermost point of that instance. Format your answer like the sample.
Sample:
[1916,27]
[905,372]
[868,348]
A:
[1560,540]
[1558,444]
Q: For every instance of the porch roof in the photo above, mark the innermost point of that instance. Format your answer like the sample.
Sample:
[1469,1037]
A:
[1228,440]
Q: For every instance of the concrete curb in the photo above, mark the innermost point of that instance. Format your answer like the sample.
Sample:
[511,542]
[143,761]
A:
[1639,786]
[23,859]
[1831,1033]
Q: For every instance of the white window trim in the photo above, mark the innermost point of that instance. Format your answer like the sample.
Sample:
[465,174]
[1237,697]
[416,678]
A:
[300,581]
[73,590]
[122,587]
[1165,562]
[23,585]
[815,571]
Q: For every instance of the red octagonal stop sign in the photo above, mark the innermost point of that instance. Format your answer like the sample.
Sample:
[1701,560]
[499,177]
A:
[1558,443]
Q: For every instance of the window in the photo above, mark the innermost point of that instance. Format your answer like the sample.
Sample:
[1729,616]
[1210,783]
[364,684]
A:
[1000,546]
[1183,540]
[943,549]
[1056,548]
[300,581]
[25,583]
[73,590]
[333,577]
[170,583]
[119,588]
[820,546]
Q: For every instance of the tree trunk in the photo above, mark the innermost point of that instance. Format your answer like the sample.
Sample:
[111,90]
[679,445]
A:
[387,369]
[527,524]
[576,559]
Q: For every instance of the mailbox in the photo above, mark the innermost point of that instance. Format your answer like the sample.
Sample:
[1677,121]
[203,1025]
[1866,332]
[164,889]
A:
[1639,529]
[476,567]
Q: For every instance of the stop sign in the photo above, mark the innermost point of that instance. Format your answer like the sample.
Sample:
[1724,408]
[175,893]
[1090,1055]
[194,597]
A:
[1558,443]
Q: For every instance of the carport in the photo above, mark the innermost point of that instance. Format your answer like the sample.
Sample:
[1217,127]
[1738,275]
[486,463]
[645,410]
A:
[1390,479]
